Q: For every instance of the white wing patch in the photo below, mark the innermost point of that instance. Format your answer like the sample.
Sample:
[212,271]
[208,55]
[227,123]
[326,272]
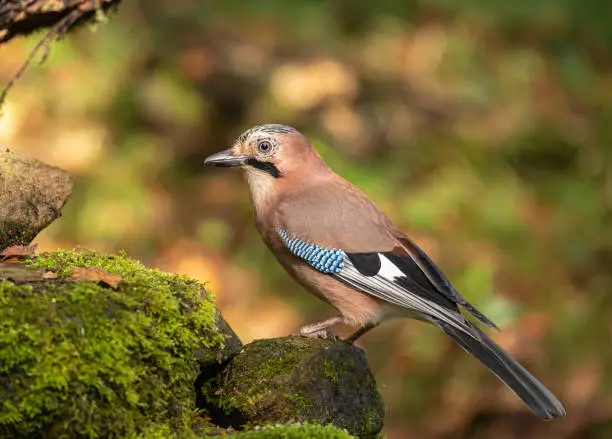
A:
[388,269]
[384,286]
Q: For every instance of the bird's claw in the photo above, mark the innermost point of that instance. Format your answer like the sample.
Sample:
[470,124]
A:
[322,334]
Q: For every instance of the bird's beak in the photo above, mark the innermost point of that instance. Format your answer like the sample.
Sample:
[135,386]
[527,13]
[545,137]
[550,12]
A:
[226,159]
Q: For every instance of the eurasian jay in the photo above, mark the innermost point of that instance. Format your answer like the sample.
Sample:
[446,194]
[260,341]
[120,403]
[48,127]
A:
[338,245]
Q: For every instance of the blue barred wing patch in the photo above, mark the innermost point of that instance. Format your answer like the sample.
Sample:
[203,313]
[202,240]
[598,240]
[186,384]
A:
[328,261]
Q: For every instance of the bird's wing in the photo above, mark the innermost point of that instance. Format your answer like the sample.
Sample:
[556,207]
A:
[339,231]
[378,275]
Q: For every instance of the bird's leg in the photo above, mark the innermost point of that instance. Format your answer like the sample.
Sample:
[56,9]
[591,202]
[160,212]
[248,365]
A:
[361,331]
[319,329]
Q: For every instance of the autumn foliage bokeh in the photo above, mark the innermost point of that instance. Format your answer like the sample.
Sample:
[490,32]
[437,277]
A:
[482,128]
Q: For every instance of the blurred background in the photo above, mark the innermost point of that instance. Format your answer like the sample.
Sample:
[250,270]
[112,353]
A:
[481,127]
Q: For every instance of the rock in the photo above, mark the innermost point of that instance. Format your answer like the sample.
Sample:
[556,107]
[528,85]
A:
[296,379]
[32,195]
[81,359]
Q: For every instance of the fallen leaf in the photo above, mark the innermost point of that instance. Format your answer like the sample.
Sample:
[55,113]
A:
[17,252]
[95,274]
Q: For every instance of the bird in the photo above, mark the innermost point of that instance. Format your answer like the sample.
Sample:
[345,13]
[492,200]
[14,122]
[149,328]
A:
[335,242]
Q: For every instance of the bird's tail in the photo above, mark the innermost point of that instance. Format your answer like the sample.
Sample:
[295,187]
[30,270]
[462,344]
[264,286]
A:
[537,397]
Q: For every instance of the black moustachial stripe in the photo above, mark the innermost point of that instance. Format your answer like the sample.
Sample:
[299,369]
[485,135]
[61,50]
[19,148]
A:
[268,167]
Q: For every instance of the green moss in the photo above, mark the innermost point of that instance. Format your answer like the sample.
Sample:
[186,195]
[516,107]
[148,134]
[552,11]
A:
[79,359]
[372,420]
[301,401]
[330,371]
[293,431]
[296,431]
[193,425]
[283,363]
[257,379]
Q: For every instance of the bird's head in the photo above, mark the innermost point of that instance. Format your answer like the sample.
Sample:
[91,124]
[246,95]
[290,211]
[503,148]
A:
[272,156]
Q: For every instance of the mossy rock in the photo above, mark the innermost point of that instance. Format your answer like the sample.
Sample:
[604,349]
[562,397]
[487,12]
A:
[296,379]
[78,359]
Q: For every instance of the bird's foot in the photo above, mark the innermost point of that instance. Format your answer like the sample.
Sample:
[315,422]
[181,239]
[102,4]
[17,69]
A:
[322,334]
[319,329]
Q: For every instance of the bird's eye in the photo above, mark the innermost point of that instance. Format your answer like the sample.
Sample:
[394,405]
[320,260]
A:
[264,146]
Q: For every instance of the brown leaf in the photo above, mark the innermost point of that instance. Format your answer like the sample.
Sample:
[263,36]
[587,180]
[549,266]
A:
[16,252]
[95,274]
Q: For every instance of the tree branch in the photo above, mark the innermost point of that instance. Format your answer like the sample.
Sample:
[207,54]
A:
[22,17]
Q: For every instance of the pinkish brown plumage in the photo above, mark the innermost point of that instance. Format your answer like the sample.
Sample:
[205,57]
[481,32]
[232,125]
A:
[338,245]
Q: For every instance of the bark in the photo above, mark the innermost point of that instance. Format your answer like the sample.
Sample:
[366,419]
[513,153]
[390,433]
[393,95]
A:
[21,17]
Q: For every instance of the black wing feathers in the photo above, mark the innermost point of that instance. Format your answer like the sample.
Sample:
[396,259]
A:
[416,282]
[421,265]
[367,264]
[422,277]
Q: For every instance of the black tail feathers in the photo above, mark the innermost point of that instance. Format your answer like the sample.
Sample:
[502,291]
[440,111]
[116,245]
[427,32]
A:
[537,397]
